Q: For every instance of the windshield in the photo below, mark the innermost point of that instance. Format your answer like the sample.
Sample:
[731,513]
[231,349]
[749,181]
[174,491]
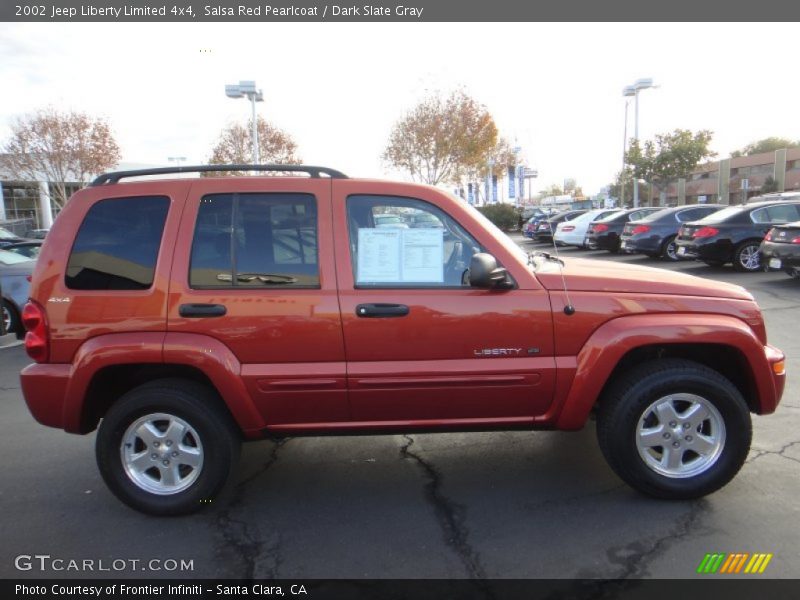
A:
[9,258]
[5,234]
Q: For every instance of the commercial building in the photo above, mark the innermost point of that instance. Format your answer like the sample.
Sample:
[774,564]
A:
[735,180]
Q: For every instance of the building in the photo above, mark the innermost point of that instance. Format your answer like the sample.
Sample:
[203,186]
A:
[735,180]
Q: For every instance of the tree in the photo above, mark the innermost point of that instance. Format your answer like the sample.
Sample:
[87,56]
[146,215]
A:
[60,148]
[769,186]
[443,140]
[504,216]
[769,144]
[670,156]
[235,145]
[552,190]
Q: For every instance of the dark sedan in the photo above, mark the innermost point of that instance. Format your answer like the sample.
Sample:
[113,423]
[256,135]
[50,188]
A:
[603,234]
[781,248]
[655,234]
[734,234]
[544,231]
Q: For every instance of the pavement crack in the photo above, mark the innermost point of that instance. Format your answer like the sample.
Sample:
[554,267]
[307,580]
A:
[781,452]
[450,514]
[243,544]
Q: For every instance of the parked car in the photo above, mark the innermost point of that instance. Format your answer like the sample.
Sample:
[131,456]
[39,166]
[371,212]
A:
[544,230]
[15,273]
[390,221]
[182,316]
[425,221]
[573,232]
[734,234]
[654,235]
[530,226]
[37,234]
[603,234]
[28,249]
[7,238]
[781,248]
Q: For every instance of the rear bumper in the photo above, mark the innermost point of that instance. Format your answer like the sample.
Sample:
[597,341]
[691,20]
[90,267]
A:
[645,245]
[45,389]
[788,254]
[711,250]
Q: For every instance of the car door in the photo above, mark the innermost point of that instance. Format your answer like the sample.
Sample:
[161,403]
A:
[423,346]
[254,270]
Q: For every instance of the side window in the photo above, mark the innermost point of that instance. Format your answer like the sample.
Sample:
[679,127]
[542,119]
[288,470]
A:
[760,216]
[691,215]
[255,240]
[117,244]
[404,242]
[782,213]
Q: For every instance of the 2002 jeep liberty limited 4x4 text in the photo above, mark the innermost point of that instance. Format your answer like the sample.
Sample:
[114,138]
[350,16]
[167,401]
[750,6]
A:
[183,316]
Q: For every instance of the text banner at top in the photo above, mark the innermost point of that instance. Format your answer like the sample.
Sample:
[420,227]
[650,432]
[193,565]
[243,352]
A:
[396,10]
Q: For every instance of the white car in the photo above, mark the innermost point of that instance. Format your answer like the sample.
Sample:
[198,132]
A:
[572,233]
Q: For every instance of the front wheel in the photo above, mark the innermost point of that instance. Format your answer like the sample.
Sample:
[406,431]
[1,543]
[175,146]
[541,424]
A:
[746,257]
[167,447]
[674,429]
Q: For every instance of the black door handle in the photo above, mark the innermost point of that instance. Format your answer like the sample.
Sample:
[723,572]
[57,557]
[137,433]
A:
[381,310]
[202,310]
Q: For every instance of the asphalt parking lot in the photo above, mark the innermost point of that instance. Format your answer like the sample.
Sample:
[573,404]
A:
[499,505]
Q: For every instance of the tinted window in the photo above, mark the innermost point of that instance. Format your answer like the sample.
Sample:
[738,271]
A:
[117,244]
[782,213]
[434,251]
[693,214]
[255,240]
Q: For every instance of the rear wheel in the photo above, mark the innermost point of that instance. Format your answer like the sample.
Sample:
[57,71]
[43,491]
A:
[746,257]
[11,322]
[674,429]
[669,249]
[167,447]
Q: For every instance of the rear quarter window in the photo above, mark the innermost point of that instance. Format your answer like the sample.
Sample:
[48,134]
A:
[117,244]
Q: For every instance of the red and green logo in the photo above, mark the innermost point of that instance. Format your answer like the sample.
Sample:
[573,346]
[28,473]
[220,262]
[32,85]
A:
[736,563]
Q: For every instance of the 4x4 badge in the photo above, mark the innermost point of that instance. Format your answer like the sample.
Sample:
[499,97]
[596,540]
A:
[59,300]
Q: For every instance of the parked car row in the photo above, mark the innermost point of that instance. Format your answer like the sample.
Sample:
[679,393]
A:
[15,276]
[751,237]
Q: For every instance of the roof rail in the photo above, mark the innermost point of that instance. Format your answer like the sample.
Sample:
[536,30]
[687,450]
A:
[115,176]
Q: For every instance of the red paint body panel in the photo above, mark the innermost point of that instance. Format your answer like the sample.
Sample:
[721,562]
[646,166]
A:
[301,361]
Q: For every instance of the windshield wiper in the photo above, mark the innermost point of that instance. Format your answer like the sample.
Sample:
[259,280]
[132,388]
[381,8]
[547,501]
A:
[544,255]
[267,278]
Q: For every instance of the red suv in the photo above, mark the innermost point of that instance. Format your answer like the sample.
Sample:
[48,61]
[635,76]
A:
[184,316]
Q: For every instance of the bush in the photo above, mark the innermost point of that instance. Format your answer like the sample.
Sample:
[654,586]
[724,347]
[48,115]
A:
[504,216]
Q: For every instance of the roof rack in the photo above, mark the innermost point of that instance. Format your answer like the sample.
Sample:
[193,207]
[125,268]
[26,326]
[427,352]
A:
[115,176]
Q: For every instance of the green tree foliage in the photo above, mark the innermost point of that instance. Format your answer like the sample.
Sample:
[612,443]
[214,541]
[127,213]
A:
[769,144]
[668,157]
[552,190]
[769,186]
[59,147]
[504,216]
[444,140]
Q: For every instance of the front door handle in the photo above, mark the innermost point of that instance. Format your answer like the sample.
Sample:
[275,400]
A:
[381,310]
[199,311]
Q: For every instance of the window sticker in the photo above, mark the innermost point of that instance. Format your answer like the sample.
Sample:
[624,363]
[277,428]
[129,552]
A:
[387,255]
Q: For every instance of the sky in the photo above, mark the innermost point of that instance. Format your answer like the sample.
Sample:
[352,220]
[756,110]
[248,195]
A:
[337,88]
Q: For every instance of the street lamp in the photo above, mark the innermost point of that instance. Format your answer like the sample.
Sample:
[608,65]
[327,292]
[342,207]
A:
[628,91]
[247,89]
[177,160]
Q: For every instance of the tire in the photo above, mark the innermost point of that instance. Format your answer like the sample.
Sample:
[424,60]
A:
[746,258]
[11,319]
[676,387]
[669,250]
[208,447]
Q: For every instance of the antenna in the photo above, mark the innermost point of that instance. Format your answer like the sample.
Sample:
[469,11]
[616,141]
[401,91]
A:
[569,309]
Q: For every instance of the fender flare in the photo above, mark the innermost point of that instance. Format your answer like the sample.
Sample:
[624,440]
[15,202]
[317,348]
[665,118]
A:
[602,352]
[204,353]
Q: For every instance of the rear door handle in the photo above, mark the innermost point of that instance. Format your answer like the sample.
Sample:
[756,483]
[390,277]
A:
[381,310]
[199,311]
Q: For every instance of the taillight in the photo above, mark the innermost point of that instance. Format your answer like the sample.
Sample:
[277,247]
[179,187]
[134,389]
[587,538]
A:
[706,232]
[568,228]
[796,240]
[37,340]
[768,237]
[640,229]
[599,228]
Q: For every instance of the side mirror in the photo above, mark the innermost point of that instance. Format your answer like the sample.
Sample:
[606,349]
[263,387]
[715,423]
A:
[484,272]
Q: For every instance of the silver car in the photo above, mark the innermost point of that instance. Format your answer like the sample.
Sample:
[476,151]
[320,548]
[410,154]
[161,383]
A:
[15,273]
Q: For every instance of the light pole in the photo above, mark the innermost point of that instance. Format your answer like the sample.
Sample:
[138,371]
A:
[633,90]
[177,160]
[248,89]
